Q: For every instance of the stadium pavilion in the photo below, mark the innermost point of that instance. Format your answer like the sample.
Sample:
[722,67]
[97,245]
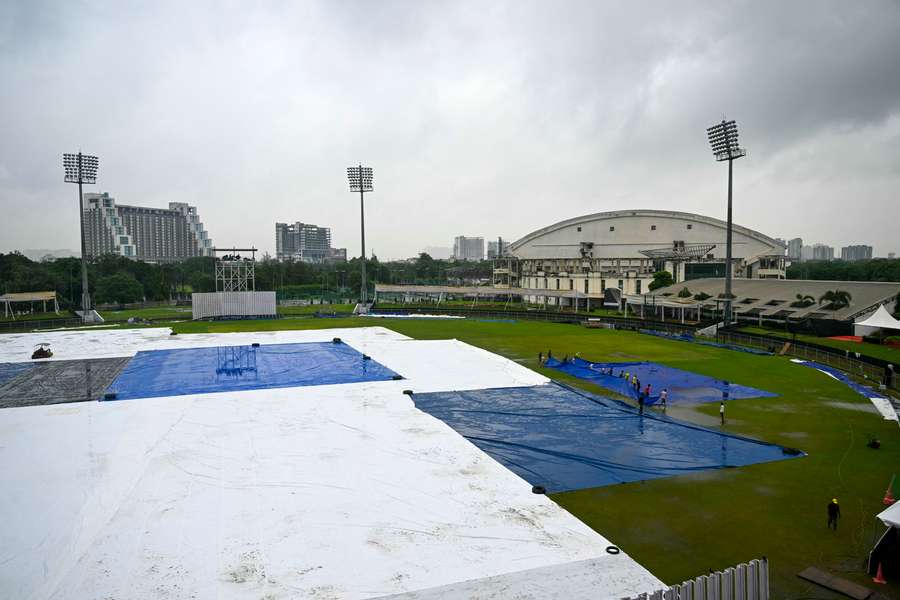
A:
[605,255]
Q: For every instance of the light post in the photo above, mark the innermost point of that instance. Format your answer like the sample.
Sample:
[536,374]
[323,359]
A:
[82,168]
[723,137]
[360,178]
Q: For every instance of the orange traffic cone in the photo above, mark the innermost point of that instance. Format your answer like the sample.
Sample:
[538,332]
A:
[879,577]
[889,493]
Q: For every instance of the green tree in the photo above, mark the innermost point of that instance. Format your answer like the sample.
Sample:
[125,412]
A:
[835,299]
[202,281]
[426,267]
[803,301]
[119,288]
[876,269]
[661,279]
[684,293]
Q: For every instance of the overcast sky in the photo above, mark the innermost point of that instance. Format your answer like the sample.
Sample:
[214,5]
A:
[479,118]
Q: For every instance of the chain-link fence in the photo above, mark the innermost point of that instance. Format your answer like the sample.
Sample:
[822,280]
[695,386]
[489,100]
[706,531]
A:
[871,370]
[588,320]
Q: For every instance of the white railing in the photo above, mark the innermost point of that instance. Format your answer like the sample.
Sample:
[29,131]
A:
[746,581]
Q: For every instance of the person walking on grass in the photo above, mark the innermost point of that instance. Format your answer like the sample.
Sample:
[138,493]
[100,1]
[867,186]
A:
[724,400]
[834,513]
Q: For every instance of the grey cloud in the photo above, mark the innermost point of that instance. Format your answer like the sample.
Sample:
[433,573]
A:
[479,118]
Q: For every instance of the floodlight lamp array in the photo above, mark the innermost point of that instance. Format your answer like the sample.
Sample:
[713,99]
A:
[723,137]
[360,179]
[80,171]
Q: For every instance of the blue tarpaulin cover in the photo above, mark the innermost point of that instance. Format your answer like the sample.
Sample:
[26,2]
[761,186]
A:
[843,378]
[10,370]
[229,368]
[682,386]
[565,439]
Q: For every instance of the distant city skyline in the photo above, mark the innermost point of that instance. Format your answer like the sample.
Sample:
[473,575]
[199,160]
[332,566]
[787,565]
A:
[446,252]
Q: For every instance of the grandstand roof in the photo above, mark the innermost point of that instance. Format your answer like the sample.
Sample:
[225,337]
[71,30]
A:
[616,214]
[773,297]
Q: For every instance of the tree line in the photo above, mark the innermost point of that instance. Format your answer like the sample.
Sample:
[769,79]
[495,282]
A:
[876,269]
[114,279]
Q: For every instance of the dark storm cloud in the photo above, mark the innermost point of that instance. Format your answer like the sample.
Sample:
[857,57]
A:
[479,118]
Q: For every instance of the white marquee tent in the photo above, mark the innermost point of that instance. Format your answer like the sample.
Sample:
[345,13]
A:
[891,516]
[880,319]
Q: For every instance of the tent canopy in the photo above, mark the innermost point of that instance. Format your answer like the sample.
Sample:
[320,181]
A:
[880,318]
[891,515]
[28,297]
[7,300]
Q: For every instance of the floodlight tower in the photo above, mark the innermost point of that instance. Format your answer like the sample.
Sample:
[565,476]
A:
[361,181]
[723,137]
[82,168]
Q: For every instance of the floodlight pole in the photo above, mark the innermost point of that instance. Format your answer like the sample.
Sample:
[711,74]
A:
[364,291]
[361,177]
[85,294]
[81,169]
[728,273]
[723,138]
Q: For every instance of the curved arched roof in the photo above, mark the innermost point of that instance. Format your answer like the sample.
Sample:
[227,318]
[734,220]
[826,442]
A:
[616,214]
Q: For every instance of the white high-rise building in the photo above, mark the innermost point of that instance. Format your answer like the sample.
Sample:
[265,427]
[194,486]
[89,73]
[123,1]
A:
[823,252]
[468,248]
[305,242]
[496,248]
[794,248]
[143,233]
[806,253]
[860,252]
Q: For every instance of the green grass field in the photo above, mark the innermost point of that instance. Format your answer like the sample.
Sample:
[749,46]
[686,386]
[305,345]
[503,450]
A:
[683,526]
[873,350]
[483,305]
[184,312]
[163,312]
[314,308]
[38,316]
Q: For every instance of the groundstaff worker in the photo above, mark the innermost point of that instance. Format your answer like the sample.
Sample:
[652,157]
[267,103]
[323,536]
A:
[834,513]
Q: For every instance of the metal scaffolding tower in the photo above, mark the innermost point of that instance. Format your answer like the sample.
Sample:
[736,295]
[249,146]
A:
[234,272]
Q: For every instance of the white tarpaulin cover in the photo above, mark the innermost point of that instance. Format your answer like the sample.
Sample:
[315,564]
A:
[880,318]
[337,491]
